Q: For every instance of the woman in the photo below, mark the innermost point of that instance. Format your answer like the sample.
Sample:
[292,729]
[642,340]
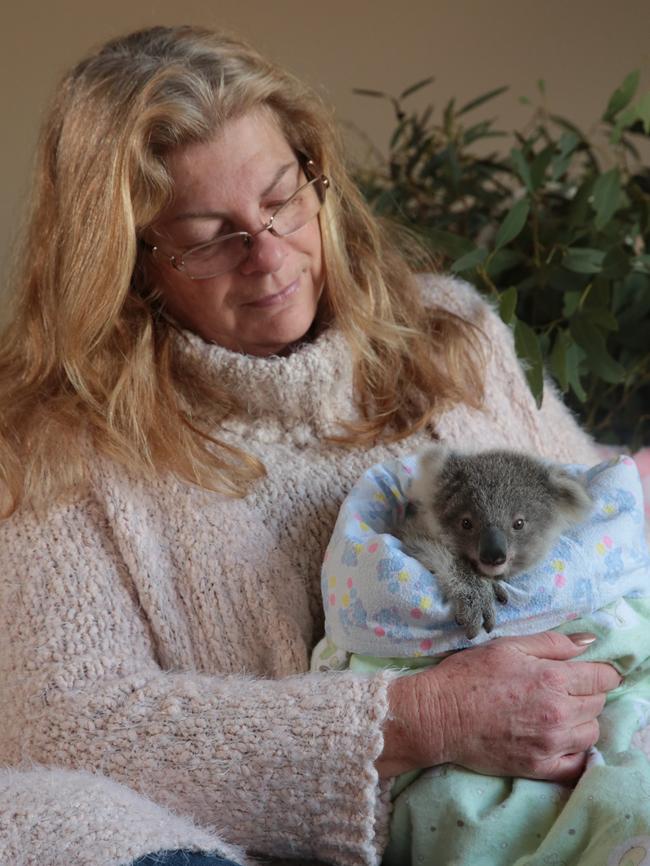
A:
[211,339]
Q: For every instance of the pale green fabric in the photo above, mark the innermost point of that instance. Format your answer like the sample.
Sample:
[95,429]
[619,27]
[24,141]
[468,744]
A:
[450,816]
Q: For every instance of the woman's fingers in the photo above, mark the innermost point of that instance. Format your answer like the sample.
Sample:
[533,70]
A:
[591,678]
[586,709]
[569,766]
[553,644]
[566,768]
[583,737]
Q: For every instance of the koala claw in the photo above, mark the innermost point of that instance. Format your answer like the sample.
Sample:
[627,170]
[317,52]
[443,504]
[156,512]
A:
[469,617]
[500,594]
[470,630]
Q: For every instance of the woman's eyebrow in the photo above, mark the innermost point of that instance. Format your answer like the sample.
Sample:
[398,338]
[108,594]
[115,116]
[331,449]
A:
[280,173]
[277,177]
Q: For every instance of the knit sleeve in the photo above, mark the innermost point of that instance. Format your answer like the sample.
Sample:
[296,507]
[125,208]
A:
[281,767]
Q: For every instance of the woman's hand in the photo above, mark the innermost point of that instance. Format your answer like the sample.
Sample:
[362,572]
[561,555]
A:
[511,707]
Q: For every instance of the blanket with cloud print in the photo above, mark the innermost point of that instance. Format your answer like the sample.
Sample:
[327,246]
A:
[383,609]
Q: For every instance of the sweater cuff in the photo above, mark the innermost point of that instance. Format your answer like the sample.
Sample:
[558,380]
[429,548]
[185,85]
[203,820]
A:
[341,813]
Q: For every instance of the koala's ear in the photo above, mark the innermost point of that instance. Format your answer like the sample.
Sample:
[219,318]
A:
[428,469]
[432,460]
[571,496]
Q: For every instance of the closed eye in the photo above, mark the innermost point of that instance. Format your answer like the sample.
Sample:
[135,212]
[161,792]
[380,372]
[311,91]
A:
[272,206]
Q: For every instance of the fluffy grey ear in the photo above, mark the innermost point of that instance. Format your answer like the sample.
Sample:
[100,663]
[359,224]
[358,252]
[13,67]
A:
[433,459]
[428,468]
[571,496]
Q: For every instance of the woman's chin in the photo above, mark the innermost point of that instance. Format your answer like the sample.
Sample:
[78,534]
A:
[280,334]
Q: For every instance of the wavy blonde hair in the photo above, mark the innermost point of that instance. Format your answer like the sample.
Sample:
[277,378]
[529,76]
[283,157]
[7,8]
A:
[89,356]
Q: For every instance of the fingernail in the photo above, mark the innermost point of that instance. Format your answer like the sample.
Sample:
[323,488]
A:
[582,638]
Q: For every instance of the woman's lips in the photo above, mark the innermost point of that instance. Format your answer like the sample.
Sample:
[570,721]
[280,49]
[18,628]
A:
[279,298]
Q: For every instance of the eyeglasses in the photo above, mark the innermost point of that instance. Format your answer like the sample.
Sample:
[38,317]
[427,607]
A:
[226,253]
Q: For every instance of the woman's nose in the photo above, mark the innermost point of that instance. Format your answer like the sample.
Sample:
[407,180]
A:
[266,255]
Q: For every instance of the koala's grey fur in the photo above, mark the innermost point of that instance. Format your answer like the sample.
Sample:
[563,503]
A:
[516,507]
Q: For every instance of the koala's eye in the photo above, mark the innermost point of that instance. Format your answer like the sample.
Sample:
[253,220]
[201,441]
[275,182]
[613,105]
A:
[519,523]
[466,523]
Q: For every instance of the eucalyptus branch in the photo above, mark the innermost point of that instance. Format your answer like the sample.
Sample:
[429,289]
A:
[564,262]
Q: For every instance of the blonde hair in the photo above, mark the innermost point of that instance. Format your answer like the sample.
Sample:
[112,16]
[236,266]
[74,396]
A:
[89,356]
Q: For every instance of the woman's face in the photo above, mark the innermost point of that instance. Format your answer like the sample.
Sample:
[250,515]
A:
[234,183]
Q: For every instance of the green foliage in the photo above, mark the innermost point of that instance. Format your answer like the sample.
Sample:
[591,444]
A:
[557,233]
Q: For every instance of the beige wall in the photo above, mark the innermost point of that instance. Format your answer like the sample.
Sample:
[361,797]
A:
[583,48]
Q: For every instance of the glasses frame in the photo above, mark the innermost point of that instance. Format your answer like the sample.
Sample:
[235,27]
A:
[318,180]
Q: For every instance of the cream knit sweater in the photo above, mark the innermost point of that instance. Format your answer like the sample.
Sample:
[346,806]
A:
[159,635]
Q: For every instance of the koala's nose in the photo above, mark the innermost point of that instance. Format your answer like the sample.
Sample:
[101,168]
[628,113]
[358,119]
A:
[492,546]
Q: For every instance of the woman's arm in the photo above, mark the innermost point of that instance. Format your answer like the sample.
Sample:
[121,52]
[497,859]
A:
[282,767]
[511,707]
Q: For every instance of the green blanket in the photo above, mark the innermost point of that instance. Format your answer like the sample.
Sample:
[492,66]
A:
[450,816]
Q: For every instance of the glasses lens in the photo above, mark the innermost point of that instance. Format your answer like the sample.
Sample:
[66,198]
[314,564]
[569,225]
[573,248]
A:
[225,254]
[297,211]
[215,258]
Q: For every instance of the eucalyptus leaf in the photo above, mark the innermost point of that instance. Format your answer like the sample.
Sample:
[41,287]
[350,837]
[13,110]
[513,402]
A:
[607,194]
[522,168]
[512,224]
[583,260]
[602,318]
[417,86]
[560,359]
[616,264]
[363,91]
[397,135]
[449,243]
[508,304]
[624,121]
[469,260]
[454,166]
[567,143]
[540,164]
[528,350]
[448,116]
[574,356]
[571,301]
[502,261]
[591,340]
[565,150]
[622,96]
[474,103]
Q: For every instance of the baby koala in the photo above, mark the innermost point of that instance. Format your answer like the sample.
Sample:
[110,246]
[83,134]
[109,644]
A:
[476,518]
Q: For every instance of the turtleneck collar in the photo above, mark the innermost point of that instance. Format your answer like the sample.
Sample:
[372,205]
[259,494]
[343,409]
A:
[311,385]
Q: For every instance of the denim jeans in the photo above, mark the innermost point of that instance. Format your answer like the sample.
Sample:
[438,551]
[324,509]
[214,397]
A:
[182,858]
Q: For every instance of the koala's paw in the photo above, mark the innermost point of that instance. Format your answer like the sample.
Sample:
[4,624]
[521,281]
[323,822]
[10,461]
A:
[488,618]
[470,618]
[499,593]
